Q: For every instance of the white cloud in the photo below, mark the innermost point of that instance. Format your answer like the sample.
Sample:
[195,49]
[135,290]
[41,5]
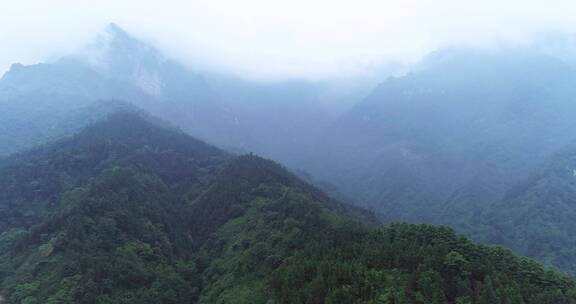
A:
[296,38]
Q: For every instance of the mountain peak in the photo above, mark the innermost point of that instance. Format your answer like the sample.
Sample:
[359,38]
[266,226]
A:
[119,55]
[115,29]
[117,36]
[133,127]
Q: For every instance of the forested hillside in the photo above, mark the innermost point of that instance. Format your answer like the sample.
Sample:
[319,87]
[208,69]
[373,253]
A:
[129,211]
[474,139]
[536,215]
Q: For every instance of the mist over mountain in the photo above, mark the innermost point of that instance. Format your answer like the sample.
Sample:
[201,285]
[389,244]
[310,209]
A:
[461,115]
[127,176]
[449,142]
[269,118]
[117,67]
[534,216]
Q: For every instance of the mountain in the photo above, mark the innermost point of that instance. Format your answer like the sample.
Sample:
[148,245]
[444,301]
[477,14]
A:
[279,119]
[453,135]
[131,210]
[282,119]
[535,215]
[35,99]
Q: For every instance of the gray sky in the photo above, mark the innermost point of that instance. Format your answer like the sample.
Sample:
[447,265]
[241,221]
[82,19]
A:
[312,39]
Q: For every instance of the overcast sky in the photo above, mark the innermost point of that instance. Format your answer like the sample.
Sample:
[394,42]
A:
[289,38]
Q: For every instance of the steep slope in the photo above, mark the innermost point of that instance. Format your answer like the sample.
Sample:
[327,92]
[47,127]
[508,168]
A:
[128,211]
[453,135]
[78,216]
[35,99]
[535,217]
[278,119]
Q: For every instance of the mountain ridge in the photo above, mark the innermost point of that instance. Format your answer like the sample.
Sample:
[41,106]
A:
[128,211]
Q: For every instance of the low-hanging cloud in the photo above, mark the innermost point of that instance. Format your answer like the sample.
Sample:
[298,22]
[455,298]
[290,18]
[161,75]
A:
[279,39]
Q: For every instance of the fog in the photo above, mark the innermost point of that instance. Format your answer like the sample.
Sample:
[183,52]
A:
[278,40]
[247,151]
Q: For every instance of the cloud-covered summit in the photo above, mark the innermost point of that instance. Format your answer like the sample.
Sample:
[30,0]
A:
[282,39]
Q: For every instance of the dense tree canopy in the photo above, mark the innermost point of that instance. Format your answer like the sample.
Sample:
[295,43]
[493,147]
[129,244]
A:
[131,212]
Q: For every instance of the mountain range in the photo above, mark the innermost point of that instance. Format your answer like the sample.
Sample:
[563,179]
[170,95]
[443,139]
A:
[132,210]
[464,140]
[479,140]
[241,115]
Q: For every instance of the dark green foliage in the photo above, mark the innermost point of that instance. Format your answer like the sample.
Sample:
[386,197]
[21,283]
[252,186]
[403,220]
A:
[130,212]
[99,217]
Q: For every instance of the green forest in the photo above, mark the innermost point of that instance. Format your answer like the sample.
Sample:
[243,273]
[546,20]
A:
[132,211]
